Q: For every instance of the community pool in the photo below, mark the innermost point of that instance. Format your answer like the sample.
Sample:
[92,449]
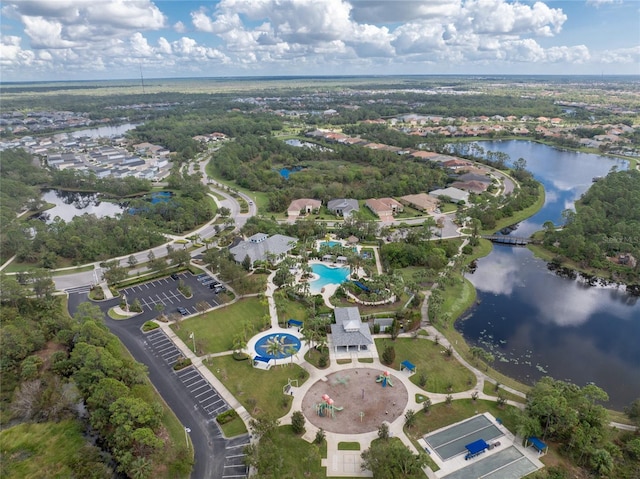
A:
[327,275]
[330,244]
[277,346]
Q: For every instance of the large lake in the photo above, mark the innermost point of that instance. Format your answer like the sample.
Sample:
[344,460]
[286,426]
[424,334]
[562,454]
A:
[537,323]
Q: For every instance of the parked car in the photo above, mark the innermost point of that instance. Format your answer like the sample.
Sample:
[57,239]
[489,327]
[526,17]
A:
[174,276]
[182,311]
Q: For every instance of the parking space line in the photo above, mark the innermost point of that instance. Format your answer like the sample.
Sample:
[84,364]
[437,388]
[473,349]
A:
[237,445]
[172,359]
[207,398]
[173,351]
[205,392]
[164,348]
[191,372]
[194,383]
[206,385]
[237,455]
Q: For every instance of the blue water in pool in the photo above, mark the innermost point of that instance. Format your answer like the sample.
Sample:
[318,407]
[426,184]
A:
[286,342]
[327,275]
[330,244]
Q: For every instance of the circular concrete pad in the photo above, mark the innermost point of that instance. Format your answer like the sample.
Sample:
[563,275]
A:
[346,387]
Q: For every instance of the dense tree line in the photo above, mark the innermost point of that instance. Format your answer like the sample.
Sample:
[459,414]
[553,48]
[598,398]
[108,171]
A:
[52,364]
[88,181]
[352,172]
[574,418]
[606,223]
[86,239]
[176,131]
[20,177]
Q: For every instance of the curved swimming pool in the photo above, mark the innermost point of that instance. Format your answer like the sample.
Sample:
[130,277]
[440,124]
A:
[327,275]
[277,346]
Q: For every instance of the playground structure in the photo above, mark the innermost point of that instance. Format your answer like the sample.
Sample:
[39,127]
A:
[326,407]
[384,379]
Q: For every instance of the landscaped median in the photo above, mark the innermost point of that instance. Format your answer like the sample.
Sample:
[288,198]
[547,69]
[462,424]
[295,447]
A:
[215,331]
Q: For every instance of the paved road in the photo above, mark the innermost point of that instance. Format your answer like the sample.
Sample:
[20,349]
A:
[215,456]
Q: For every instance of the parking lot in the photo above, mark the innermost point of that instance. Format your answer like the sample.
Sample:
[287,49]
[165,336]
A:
[165,291]
[205,399]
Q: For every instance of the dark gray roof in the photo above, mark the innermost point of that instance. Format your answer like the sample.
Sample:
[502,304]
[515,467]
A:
[276,244]
[357,333]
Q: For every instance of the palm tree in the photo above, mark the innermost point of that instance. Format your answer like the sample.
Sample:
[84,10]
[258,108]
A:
[292,351]
[274,348]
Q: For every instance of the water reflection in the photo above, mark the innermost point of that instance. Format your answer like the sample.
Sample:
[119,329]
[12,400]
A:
[69,204]
[538,321]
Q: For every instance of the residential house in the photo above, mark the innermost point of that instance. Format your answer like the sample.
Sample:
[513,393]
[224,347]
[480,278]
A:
[303,205]
[384,208]
[343,206]
[455,194]
[421,201]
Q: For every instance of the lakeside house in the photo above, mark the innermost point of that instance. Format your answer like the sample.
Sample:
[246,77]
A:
[303,206]
[456,195]
[421,201]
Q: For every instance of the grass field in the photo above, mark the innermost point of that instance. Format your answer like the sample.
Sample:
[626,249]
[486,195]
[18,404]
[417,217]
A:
[36,450]
[234,427]
[441,415]
[259,391]
[288,309]
[490,389]
[214,331]
[444,374]
[298,457]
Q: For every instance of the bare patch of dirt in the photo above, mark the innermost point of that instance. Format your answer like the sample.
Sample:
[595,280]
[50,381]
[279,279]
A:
[356,391]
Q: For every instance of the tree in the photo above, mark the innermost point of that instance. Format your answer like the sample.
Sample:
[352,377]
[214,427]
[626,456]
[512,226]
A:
[633,412]
[263,425]
[320,436]
[297,422]
[426,405]
[383,431]
[132,261]
[410,418]
[391,459]
[114,273]
[388,355]
[246,263]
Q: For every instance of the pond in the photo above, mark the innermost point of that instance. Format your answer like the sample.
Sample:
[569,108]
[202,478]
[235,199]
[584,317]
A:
[539,323]
[69,204]
[104,131]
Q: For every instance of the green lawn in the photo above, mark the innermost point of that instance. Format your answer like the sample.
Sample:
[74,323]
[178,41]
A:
[259,391]
[348,446]
[234,427]
[289,309]
[214,331]
[442,415]
[490,389]
[442,371]
[36,450]
[293,450]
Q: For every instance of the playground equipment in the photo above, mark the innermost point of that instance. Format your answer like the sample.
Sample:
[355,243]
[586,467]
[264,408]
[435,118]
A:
[384,379]
[326,407]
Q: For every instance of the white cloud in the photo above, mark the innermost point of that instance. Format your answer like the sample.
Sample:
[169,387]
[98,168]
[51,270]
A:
[179,27]
[598,3]
[621,55]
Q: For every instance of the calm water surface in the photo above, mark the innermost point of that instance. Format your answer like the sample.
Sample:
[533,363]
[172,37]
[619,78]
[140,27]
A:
[69,204]
[537,323]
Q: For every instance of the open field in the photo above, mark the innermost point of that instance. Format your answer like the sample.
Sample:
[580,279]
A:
[214,331]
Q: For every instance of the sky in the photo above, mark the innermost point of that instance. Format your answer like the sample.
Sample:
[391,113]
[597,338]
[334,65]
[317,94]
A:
[56,40]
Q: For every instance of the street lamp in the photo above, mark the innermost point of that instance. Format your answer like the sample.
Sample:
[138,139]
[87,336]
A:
[186,435]
[193,336]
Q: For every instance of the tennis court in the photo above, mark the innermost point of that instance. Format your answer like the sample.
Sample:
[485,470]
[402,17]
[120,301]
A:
[506,464]
[450,442]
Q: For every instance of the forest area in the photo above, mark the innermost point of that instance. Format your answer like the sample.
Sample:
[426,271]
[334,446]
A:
[604,231]
[72,373]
